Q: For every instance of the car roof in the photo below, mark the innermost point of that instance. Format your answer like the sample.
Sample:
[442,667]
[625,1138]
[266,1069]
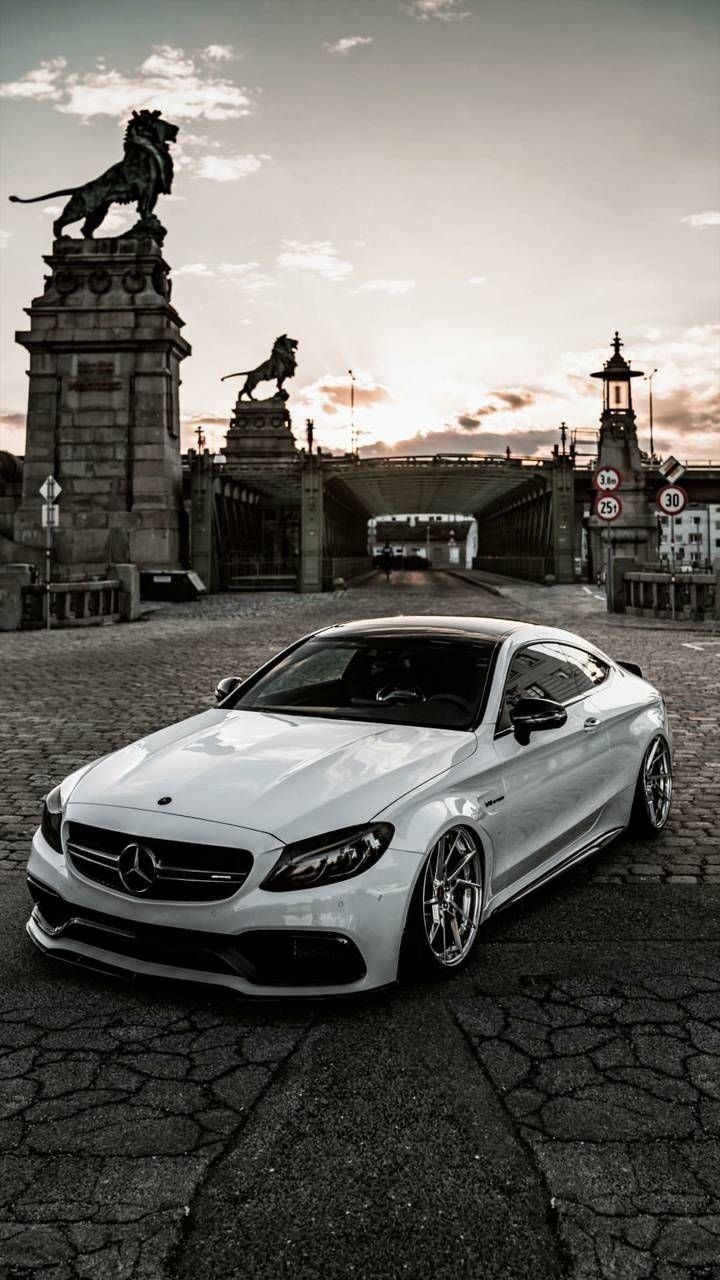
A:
[468,628]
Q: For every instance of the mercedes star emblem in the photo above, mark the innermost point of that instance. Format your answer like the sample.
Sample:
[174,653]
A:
[137,869]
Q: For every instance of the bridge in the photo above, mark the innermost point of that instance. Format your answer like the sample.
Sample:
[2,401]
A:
[301,520]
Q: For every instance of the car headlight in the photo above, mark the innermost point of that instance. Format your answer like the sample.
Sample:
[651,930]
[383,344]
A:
[338,855]
[52,819]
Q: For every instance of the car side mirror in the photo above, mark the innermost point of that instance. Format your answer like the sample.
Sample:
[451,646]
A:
[227,686]
[532,715]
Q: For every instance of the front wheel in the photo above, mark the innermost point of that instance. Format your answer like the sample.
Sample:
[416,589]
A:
[444,915]
[653,792]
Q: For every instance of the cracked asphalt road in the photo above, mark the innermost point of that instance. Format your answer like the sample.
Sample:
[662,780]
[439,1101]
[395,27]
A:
[554,1111]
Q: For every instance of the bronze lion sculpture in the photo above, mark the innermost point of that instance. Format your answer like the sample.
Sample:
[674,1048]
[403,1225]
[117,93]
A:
[144,173]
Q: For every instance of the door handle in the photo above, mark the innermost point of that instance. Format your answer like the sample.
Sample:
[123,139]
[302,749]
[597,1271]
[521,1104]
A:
[591,724]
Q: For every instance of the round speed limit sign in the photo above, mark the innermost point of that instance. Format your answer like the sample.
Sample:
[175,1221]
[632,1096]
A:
[671,499]
[607,507]
[606,479]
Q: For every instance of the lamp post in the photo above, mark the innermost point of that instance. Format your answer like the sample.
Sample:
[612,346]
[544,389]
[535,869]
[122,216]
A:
[353,442]
[648,378]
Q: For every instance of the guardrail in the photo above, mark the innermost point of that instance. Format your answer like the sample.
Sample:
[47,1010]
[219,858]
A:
[672,595]
[72,604]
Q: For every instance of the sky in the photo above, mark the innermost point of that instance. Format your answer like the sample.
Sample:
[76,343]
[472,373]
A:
[459,200]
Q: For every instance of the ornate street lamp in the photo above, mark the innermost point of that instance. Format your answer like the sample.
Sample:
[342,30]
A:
[616,377]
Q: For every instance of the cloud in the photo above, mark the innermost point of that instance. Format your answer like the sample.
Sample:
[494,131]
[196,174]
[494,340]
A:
[386,286]
[168,80]
[214,429]
[228,168]
[332,392]
[346,43]
[41,84]
[445,10]
[497,402]
[476,280]
[317,256]
[12,430]
[529,443]
[194,269]
[698,221]
[246,275]
[218,53]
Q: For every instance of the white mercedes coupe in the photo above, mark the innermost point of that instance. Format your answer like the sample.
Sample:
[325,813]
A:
[352,812]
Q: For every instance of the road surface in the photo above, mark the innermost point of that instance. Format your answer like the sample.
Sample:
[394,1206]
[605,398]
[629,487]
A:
[554,1111]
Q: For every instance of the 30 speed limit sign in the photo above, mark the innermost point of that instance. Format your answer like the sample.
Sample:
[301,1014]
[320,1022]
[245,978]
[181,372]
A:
[671,499]
[607,507]
[607,479]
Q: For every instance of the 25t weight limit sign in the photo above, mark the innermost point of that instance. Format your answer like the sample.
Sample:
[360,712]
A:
[607,507]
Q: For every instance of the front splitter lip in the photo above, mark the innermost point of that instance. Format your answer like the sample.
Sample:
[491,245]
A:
[109,964]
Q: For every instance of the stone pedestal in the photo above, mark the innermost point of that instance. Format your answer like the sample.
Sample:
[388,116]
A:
[260,429]
[635,532]
[103,414]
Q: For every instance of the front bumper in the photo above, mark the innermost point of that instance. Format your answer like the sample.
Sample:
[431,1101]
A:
[337,939]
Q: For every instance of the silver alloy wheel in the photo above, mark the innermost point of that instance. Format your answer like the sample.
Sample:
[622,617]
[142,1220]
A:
[657,782]
[452,896]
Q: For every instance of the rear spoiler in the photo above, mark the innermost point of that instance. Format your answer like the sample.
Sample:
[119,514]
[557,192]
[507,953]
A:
[632,668]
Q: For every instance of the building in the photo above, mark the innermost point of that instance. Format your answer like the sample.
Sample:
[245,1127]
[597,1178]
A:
[435,539]
[696,536]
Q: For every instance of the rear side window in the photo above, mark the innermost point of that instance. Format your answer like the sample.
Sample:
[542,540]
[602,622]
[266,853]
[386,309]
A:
[587,669]
[547,670]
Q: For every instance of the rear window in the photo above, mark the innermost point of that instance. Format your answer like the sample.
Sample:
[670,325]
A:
[399,680]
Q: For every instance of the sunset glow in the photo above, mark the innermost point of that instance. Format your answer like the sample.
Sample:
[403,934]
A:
[429,193]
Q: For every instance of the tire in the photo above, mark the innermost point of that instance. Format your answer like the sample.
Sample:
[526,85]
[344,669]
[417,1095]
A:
[444,917]
[653,792]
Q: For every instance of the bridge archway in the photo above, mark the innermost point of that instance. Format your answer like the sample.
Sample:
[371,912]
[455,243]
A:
[525,509]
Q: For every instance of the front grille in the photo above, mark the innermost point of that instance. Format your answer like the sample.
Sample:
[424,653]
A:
[184,872]
[267,957]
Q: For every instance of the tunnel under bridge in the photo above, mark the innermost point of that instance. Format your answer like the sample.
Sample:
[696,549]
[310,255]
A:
[306,514]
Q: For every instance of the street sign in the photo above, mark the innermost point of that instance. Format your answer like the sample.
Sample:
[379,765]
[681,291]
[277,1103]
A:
[607,507]
[671,499]
[50,516]
[50,489]
[607,479]
[672,470]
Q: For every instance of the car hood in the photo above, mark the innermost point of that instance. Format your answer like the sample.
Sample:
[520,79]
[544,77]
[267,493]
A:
[290,776]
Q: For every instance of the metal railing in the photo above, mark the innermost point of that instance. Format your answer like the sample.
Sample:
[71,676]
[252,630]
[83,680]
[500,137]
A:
[72,604]
[672,595]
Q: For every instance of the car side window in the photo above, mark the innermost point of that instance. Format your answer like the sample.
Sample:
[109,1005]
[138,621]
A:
[588,670]
[544,670]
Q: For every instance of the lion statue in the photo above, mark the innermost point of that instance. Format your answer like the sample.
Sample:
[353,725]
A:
[144,173]
[281,365]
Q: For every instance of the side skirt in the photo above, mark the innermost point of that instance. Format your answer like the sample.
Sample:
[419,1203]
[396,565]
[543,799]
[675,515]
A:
[579,856]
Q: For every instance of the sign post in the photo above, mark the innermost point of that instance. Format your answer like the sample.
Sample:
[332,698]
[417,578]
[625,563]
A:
[50,491]
[672,500]
[608,507]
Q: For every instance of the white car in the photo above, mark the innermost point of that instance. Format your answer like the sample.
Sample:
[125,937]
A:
[354,810]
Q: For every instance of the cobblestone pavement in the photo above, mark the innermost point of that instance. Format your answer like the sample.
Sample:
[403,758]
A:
[70,697]
[162,1132]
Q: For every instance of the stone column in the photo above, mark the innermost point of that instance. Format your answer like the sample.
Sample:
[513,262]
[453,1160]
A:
[635,532]
[312,525]
[563,519]
[103,413]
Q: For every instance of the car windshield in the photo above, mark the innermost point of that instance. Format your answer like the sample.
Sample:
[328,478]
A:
[420,680]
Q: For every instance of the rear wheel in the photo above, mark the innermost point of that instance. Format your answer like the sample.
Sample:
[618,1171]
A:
[445,911]
[653,793]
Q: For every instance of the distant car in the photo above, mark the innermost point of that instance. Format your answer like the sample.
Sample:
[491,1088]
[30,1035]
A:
[353,811]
